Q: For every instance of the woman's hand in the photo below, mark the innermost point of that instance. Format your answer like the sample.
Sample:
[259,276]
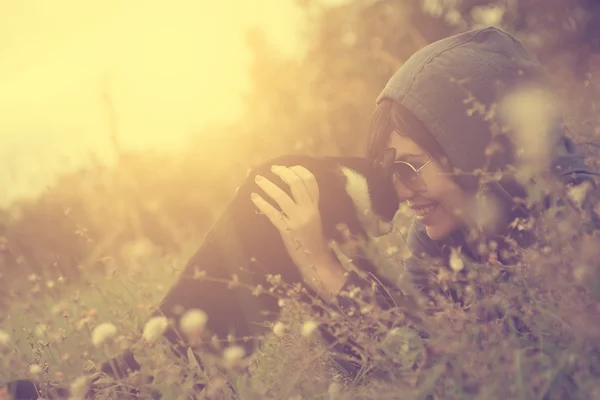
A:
[300,227]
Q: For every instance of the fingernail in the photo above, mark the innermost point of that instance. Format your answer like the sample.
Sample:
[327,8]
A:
[258,178]
[275,167]
[253,196]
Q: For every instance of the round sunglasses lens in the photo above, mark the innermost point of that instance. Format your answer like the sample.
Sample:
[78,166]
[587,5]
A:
[409,177]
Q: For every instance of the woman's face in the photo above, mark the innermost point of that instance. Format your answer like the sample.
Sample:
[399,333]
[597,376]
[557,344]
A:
[440,207]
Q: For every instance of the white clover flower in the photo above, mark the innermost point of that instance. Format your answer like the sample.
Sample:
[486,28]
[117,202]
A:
[193,322]
[366,309]
[456,263]
[4,338]
[531,111]
[79,388]
[578,193]
[155,328]
[35,369]
[434,8]
[102,333]
[406,253]
[279,329]
[488,15]
[233,354]
[453,17]
[334,390]
[308,328]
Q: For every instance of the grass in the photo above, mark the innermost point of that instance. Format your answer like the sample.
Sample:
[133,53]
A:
[533,337]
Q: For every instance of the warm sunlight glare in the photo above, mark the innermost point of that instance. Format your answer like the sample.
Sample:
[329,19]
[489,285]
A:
[171,68]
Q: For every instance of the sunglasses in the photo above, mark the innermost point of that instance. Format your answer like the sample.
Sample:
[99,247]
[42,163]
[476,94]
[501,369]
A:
[404,171]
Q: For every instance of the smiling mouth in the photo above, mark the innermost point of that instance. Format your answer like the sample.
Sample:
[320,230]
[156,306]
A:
[423,211]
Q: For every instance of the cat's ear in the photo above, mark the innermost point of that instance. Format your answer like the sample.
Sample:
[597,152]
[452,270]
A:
[385,159]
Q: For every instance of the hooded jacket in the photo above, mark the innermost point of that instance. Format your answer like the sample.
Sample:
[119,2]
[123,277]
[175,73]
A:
[457,88]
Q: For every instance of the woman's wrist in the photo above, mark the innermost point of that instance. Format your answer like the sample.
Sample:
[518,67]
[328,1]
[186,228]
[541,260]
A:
[331,276]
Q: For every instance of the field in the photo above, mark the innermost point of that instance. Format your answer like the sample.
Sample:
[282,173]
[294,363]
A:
[525,339]
[84,263]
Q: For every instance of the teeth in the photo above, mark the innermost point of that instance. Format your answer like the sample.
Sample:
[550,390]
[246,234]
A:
[421,212]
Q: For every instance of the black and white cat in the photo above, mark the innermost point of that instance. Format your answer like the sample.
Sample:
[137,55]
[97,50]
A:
[245,243]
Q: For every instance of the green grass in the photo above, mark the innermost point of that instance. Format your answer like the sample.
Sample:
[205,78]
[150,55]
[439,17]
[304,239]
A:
[461,357]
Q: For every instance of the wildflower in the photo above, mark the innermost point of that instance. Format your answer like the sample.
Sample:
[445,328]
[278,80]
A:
[308,328]
[366,309]
[456,263]
[102,333]
[578,193]
[154,328]
[453,17]
[4,338]
[334,390]
[488,15]
[35,369]
[233,354]
[279,329]
[79,388]
[193,322]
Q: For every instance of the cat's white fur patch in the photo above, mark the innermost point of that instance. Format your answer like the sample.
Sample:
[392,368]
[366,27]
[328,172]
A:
[358,190]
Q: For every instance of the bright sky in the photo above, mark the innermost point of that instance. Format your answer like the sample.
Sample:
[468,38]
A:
[172,68]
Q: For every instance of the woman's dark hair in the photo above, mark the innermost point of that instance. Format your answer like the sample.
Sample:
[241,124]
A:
[390,116]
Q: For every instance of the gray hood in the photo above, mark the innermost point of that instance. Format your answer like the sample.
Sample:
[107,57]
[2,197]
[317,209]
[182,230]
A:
[483,64]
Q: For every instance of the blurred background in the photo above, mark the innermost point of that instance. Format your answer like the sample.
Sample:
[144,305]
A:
[127,125]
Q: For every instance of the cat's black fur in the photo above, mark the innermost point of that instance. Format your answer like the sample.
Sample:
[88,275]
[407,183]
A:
[245,243]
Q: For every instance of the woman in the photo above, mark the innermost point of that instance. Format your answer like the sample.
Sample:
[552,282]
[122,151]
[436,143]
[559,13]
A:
[441,119]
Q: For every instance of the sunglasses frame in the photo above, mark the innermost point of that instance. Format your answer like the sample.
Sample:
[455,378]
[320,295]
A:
[387,160]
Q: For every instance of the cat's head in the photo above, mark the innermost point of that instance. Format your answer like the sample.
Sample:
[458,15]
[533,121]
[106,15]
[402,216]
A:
[369,186]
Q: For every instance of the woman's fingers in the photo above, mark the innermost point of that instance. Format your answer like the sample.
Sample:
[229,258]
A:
[299,211]
[310,182]
[275,216]
[284,201]
[295,182]
[297,178]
